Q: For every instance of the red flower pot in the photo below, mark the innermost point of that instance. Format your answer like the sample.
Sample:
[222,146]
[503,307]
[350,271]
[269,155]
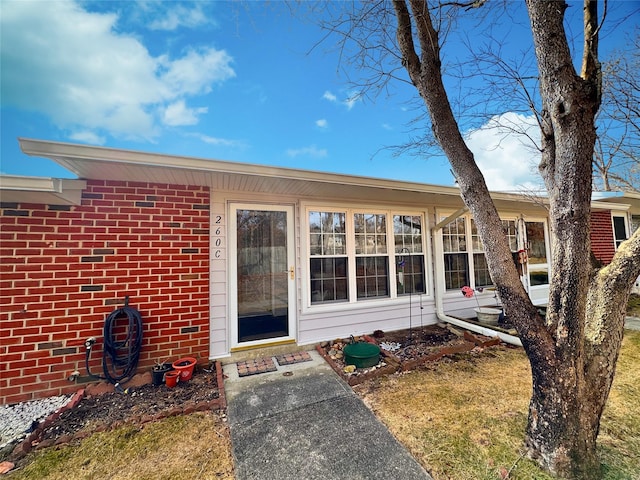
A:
[185,366]
[171,378]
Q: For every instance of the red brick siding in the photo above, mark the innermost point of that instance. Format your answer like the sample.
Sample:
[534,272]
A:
[602,241]
[63,269]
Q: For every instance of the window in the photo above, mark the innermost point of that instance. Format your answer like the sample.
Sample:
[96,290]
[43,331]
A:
[480,267]
[509,228]
[456,260]
[466,266]
[407,237]
[372,263]
[619,230]
[354,255]
[537,254]
[328,264]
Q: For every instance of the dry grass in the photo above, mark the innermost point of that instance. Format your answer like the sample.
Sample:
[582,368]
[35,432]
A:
[633,307]
[465,419]
[195,446]
[620,427]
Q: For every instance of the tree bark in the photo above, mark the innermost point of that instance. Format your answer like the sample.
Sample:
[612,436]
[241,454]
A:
[573,351]
[560,432]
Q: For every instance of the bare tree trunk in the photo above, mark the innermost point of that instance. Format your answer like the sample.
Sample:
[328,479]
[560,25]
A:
[574,350]
[569,395]
[555,433]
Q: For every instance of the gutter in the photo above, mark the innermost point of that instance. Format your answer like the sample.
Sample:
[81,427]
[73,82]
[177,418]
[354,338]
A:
[488,332]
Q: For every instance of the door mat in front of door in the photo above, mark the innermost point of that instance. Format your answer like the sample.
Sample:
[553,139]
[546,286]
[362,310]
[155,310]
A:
[253,367]
[290,358]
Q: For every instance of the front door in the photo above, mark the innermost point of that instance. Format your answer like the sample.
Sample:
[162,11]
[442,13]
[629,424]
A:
[263,287]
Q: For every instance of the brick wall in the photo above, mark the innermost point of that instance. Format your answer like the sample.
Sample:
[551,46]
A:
[63,269]
[602,242]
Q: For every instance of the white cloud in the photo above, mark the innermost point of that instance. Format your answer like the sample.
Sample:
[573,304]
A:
[223,142]
[88,137]
[178,114]
[351,99]
[78,69]
[197,71]
[329,96]
[311,151]
[322,123]
[507,160]
[177,15]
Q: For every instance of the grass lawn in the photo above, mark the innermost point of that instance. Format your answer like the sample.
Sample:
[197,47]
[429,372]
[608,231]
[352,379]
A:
[465,418]
[195,446]
[633,307]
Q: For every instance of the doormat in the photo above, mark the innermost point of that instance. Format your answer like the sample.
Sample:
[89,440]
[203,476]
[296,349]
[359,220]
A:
[253,367]
[290,358]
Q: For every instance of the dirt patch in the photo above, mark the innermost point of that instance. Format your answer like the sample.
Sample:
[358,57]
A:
[402,350]
[139,405]
[413,344]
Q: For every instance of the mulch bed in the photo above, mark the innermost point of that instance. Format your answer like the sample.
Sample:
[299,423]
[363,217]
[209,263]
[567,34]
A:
[89,413]
[404,350]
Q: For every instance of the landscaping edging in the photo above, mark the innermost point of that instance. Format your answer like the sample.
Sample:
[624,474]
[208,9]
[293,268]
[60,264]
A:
[394,364]
[352,380]
[32,441]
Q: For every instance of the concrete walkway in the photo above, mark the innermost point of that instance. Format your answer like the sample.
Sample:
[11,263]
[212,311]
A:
[632,323]
[304,422]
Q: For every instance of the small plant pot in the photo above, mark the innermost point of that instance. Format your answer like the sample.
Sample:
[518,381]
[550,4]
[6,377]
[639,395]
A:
[185,366]
[158,372]
[171,378]
[488,315]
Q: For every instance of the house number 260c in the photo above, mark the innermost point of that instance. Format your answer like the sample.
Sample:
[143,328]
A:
[217,236]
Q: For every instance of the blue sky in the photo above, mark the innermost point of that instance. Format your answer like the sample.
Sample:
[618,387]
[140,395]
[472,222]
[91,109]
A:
[237,81]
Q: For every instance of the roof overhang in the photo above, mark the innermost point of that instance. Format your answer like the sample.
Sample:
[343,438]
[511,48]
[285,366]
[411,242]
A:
[100,163]
[629,200]
[41,190]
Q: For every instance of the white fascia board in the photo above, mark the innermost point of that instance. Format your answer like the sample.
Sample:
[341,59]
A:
[30,184]
[62,152]
[41,189]
[600,205]
[40,184]
[66,154]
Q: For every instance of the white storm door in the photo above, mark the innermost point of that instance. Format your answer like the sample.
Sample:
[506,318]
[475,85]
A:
[262,274]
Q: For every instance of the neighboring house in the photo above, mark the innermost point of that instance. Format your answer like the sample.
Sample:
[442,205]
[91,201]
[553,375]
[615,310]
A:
[615,224]
[220,257]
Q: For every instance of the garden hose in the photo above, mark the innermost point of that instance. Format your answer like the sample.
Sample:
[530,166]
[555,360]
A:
[119,357]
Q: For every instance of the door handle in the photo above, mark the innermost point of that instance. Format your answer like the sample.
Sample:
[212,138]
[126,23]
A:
[292,273]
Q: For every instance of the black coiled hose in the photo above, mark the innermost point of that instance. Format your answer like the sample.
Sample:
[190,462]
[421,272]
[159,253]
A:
[120,358]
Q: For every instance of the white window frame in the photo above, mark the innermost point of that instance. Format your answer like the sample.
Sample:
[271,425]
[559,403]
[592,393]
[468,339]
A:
[539,267]
[617,241]
[470,250]
[424,253]
[350,211]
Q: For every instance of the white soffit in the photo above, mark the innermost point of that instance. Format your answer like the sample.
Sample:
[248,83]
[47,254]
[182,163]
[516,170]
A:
[100,163]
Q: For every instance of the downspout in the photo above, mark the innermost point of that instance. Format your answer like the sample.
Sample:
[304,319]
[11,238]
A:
[439,290]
